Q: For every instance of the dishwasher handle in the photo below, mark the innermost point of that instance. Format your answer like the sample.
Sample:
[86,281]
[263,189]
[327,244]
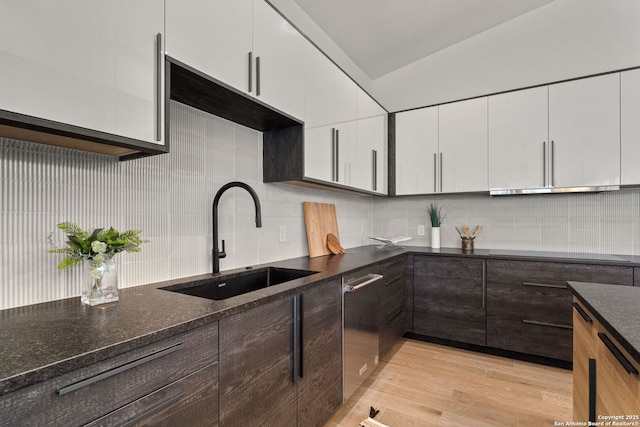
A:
[361,282]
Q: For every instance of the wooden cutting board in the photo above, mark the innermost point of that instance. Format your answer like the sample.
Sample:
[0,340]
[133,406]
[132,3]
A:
[320,219]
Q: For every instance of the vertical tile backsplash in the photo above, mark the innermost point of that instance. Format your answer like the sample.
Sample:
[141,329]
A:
[169,197]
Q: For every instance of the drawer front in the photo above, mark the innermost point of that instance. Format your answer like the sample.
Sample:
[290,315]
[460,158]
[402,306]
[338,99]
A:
[391,330]
[617,379]
[86,394]
[191,401]
[529,304]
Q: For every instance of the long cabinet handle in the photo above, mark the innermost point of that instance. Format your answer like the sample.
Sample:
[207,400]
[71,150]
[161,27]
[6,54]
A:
[333,154]
[117,370]
[159,85]
[435,172]
[441,172]
[582,313]
[258,76]
[544,163]
[394,316]
[250,86]
[618,354]
[544,285]
[551,325]
[361,282]
[294,377]
[484,284]
[374,160]
[592,390]
[301,337]
[553,164]
[337,155]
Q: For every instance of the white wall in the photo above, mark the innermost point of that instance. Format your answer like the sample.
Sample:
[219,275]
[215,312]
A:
[561,40]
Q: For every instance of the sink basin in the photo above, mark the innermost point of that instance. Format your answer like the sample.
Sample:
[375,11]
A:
[219,288]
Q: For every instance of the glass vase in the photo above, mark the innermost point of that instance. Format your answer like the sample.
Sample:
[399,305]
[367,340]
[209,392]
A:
[100,282]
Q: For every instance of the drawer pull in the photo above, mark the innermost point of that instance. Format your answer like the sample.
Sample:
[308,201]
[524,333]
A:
[552,325]
[394,279]
[393,316]
[153,409]
[544,285]
[618,354]
[115,371]
[582,313]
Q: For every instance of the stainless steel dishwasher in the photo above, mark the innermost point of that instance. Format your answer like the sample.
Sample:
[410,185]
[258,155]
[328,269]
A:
[360,299]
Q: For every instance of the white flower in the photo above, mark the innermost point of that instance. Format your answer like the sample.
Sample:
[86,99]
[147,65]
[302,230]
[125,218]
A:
[98,247]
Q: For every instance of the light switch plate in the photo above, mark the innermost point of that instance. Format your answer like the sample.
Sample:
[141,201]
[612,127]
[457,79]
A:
[283,233]
[421,230]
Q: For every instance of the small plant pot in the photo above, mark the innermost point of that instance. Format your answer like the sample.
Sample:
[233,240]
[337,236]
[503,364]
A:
[467,244]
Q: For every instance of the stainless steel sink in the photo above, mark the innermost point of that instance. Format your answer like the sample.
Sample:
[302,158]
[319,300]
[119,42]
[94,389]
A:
[219,288]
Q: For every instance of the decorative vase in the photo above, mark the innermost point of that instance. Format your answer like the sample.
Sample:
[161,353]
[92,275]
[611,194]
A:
[100,282]
[435,237]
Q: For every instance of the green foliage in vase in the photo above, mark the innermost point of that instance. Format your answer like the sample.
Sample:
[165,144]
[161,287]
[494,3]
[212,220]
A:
[436,214]
[98,245]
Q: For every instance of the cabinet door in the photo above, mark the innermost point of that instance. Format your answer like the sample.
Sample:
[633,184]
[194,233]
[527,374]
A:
[371,157]
[346,95]
[630,126]
[518,132]
[416,151]
[319,154]
[319,94]
[347,144]
[584,127]
[212,36]
[58,61]
[139,70]
[449,299]
[463,146]
[320,381]
[279,49]
[367,106]
[584,355]
[256,369]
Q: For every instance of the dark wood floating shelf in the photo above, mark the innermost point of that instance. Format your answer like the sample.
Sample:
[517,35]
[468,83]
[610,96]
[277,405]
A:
[33,129]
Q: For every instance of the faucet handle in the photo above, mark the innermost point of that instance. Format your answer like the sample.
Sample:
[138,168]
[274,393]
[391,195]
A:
[222,253]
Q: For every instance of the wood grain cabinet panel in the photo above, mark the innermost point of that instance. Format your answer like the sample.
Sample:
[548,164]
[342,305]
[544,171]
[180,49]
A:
[449,298]
[393,304]
[125,384]
[529,305]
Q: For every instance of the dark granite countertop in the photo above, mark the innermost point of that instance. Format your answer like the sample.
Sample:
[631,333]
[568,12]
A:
[42,341]
[616,308]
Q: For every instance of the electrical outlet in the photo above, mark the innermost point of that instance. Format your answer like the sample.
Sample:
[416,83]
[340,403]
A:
[283,233]
[421,230]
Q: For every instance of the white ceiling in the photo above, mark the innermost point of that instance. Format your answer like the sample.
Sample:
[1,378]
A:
[381,36]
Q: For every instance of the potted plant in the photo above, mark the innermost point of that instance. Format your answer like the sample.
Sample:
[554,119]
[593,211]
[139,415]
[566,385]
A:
[437,217]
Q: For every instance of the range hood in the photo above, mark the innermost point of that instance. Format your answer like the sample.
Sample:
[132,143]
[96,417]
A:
[551,190]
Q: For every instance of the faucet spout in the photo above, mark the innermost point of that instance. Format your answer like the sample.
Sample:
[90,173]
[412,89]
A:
[216,253]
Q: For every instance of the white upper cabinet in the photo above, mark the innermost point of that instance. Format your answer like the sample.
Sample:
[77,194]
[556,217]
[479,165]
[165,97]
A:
[518,137]
[279,54]
[463,146]
[416,151]
[584,130]
[212,36]
[85,63]
[367,106]
[245,44]
[630,126]
[319,93]
[371,157]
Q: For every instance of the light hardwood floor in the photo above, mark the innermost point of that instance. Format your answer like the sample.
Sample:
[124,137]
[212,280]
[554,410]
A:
[422,384]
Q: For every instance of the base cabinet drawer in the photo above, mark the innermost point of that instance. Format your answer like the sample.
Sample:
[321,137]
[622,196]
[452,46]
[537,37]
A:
[85,395]
[529,303]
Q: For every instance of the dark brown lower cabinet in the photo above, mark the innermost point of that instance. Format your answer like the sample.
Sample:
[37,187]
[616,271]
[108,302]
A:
[529,305]
[171,382]
[449,298]
[281,362]
[392,304]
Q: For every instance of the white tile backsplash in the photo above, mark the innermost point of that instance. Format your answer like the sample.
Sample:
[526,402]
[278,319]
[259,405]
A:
[169,197]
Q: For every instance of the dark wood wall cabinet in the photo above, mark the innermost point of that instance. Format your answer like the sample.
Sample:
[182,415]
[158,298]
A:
[281,362]
[449,298]
[173,381]
[529,304]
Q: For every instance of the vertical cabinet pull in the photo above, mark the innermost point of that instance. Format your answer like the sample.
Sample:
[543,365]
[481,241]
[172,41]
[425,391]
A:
[617,354]
[294,377]
[337,155]
[553,164]
[374,160]
[544,163]
[250,86]
[582,313]
[592,390]
[159,84]
[441,172]
[301,337]
[435,172]
[257,76]
[484,284]
[333,154]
